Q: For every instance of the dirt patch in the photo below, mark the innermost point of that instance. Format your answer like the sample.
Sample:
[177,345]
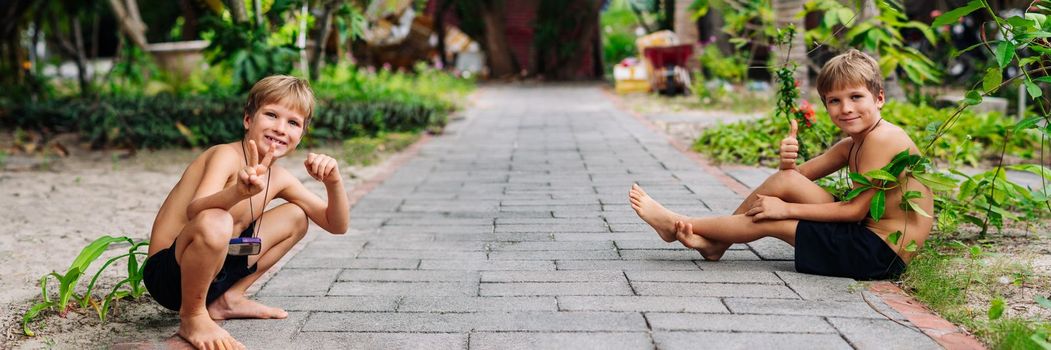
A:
[53,206]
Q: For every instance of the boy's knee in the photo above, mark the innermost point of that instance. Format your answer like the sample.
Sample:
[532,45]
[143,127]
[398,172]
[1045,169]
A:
[300,222]
[214,227]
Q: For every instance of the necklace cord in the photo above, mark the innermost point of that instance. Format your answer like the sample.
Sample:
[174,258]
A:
[266,192]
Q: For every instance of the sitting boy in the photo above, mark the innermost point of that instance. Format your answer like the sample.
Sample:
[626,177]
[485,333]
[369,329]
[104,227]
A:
[222,195]
[830,238]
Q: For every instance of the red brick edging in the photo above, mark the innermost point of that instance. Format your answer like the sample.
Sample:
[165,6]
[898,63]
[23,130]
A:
[947,335]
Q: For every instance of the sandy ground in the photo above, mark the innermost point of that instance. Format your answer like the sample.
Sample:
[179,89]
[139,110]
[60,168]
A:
[53,206]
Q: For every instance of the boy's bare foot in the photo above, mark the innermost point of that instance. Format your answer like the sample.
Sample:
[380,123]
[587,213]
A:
[710,251]
[235,305]
[660,218]
[203,333]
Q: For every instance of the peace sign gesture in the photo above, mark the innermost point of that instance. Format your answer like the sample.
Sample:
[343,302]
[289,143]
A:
[251,178]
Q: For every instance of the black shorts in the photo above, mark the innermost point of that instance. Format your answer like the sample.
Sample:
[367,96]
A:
[163,277]
[844,249]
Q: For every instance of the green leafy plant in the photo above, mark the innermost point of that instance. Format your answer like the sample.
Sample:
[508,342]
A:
[67,282]
[881,33]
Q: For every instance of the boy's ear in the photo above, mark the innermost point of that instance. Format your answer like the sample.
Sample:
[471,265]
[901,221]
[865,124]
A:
[247,120]
[880,100]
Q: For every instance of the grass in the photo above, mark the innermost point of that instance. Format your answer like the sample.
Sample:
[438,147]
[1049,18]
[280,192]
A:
[366,150]
[950,276]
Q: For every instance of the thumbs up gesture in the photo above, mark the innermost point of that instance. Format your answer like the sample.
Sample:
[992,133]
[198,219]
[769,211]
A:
[790,147]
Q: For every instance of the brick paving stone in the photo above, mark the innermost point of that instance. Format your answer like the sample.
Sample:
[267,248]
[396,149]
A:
[641,304]
[737,290]
[550,246]
[332,303]
[555,255]
[488,265]
[747,341]
[552,276]
[737,323]
[625,265]
[407,275]
[536,321]
[582,341]
[882,334]
[367,341]
[300,282]
[476,304]
[753,277]
[405,288]
[554,288]
[812,287]
[856,309]
[684,254]
[303,261]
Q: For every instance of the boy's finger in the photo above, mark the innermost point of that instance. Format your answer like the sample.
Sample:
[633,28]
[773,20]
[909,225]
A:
[269,158]
[253,153]
[793,129]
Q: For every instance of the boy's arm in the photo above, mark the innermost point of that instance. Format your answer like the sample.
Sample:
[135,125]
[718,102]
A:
[880,153]
[826,163]
[210,192]
[333,215]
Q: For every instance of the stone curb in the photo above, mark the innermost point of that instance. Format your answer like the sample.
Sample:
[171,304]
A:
[947,334]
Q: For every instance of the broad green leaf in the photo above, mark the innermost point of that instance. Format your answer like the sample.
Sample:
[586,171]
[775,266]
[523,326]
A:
[1005,52]
[916,207]
[973,97]
[1033,90]
[996,310]
[846,16]
[894,237]
[30,314]
[1027,123]
[1042,301]
[1035,169]
[1019,21]
[859,179]
[936,181]
[1028,60]
[951,16]
[1044,79]
[855,193]
[876,208]
[880,174]
[992,80]
[912,195]
[911,247]
[1041,339]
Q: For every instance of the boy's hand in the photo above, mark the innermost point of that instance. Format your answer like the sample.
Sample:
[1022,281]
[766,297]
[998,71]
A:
[790,147]
[252,177]
[322,168]
[768,208]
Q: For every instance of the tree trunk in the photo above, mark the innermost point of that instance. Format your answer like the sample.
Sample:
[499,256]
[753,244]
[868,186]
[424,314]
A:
[497,50]
[787,12]
[130,21]
[237,10]
[82,71]
[439,27]
[257,7]
[189,14]
[321,37]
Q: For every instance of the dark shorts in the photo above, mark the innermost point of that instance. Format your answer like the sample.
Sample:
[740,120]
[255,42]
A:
[163,277]
[844,249]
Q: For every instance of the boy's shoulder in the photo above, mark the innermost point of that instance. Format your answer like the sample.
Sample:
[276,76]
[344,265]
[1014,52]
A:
[222,157]
[889,139]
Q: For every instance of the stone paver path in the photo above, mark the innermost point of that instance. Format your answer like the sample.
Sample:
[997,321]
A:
[513,231]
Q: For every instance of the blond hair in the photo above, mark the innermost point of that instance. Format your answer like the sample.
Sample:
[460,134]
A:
[288,91]
[850,69]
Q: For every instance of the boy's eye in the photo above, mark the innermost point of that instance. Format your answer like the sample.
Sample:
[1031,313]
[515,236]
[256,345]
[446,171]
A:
[271,115]
[294,123]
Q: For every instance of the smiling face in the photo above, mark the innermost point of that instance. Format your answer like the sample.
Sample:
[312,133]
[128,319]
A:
[853,109]
[277,126]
